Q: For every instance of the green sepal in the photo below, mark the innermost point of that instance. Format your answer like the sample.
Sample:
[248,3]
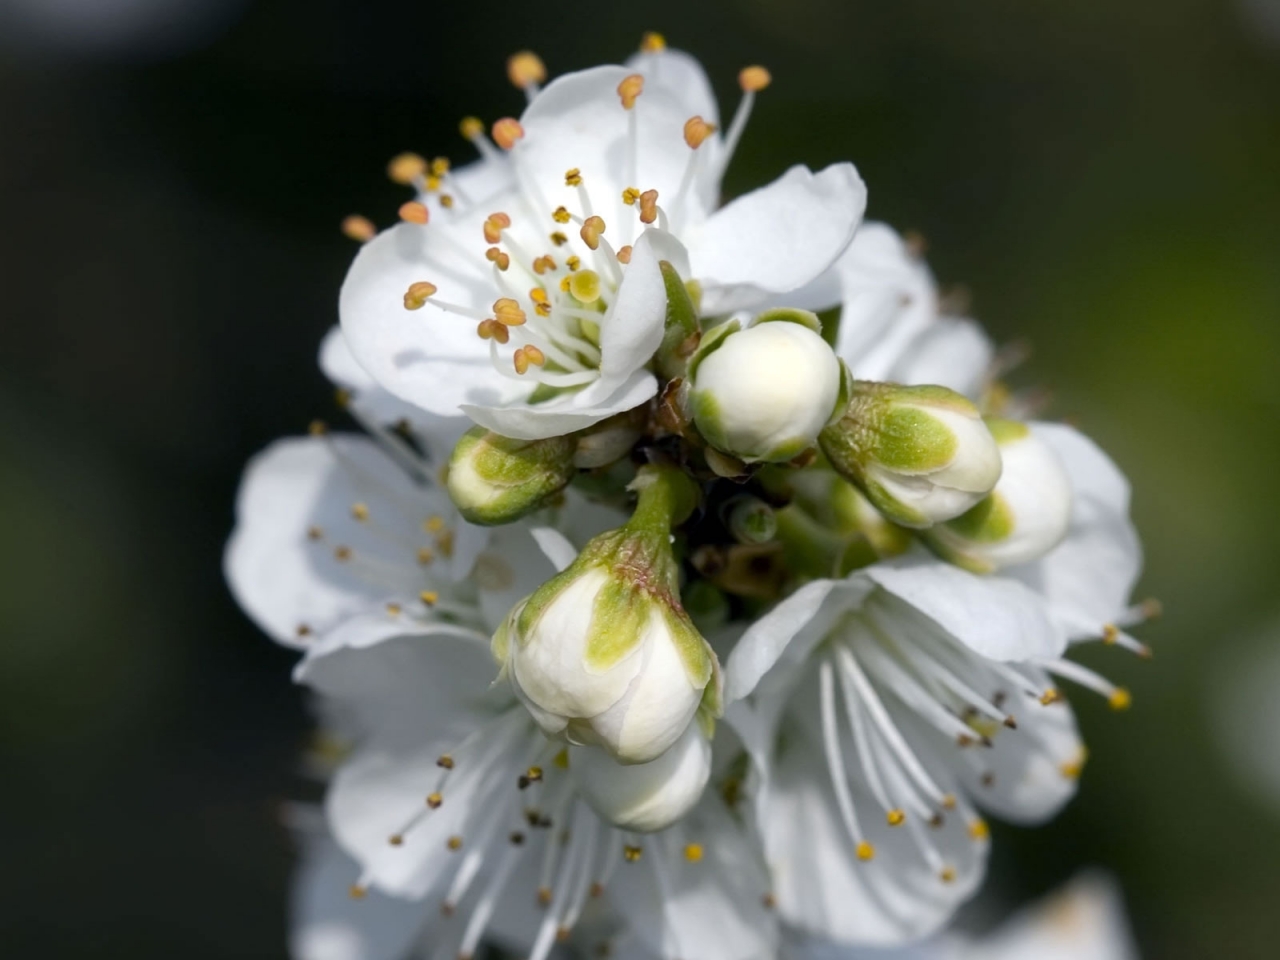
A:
[495,479]
[806,318]
[682,333]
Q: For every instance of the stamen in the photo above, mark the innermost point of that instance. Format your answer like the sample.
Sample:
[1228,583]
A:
[624,254]
[358,228]
[507,312]
[414,212]
[693,852]
[526,71]
[630,89]
[591,230]
[494,225]
[649,206]
[835,759]
[499,259]
[483,911]
[696,131]
[1118,697]
[652,42]
[406,169]
[506,132]
[752,80]
[416,296]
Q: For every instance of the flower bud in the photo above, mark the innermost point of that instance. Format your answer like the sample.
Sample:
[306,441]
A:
[494,479]
[764,393]
[603,653]
[922,455]
[609,440]
[645,796]
[1022,519]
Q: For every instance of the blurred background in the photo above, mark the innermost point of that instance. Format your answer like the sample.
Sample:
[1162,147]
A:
[1103,176]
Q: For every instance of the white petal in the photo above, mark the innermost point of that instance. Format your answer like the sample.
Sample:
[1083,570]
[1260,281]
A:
[996,617]
[427,357]
[645,796]
[1089,577]
[283,579]
[327,923]
[633,328]
[566,413]
[508,570]
[680,75]
[951,352]
[556,546]
[777,238]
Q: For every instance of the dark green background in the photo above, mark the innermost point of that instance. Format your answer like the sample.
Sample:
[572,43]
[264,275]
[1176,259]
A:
[1103,176]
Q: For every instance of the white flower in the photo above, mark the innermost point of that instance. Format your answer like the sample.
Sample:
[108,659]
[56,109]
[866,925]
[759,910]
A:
[603,653]
[561,270]
[1083,921]
[764,393]
[1023,518]
[921,454]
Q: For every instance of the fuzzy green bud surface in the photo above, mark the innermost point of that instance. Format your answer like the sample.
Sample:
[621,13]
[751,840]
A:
[922,455]
[495,479]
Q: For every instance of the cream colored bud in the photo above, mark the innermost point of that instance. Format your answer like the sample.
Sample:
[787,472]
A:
[494,479]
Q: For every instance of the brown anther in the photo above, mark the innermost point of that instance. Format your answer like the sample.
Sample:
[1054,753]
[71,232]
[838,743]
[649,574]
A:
[631,853]
[439,166]
[342,554]
[652,42]
[948,875]
[516,838]
[624,254]
[497,257]
[649,206]
[629,89]
[447,909]
[507,311]
[418,293]
[405,168]
[561,214]
[597,889]
[754,79]
[544,896]
[573,263]
[317,428]
[506,132]
[563,934]
[425,556]
[630,196]
[1151,608]
[590,232]
[572,178]
[769,901]
[396,840]
[358,228]
[525,69]
[434,800]
[696,131]
[559,239]
[445,761]
[342,397]
[471,127]
[446,201]
[1011,722]
[414,212]
[393,609]
[988,779]
[936,821]
[303,630]
[494,224]
[315,533]
[949,801]
[356,892]
[535,355]
[454,842]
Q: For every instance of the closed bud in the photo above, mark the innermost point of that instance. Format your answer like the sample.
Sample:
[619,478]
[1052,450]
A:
[765,392]
[495,479]
[609,440]
[1022,519]
[922,455]
[603,653]
[645,797]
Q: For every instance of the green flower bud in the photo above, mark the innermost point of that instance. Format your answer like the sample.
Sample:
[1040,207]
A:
[922,455]
[1023,518]
[494,479]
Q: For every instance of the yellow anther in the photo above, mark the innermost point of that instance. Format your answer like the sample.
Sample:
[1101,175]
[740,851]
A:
[573,263]
[360,511]
[497,257]
[592,227]
[693,852]
[494,224]
[1120,699]
[559,239]
[520,361]
[561,760]
[544,896]
[649,206]
[396,840]
[416,296]
[949,801]
[895,818]
[524,69]
[404,168]
[542,309]
[631,853]
[534,774]
[584,285]
[561,214]
[572,178]
[342,397]
[1050,696]
[537,294]
[1110,634]
[506,311]
[444,540]
[948,875]
[439,166]
[542,264]
[315,533]
[446,201]
[445,761]
[652,42]
[754,79]
[979,830]
[317,428]
[506,132]
[433,524]
[865,851]
[432,184]
[1072,769]
[454,843]
[434,800]
[393,609]
[425,556]
[493,330]
[356,892]
[1151,608]
[629,89]
[430,598]
[564,284]
[414,212]
[358,228]
[342,553]
[696,131]
[471,127]
[535,356]
[624,254]
[630,196]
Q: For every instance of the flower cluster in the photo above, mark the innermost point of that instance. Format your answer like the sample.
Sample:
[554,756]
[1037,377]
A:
[694,585]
